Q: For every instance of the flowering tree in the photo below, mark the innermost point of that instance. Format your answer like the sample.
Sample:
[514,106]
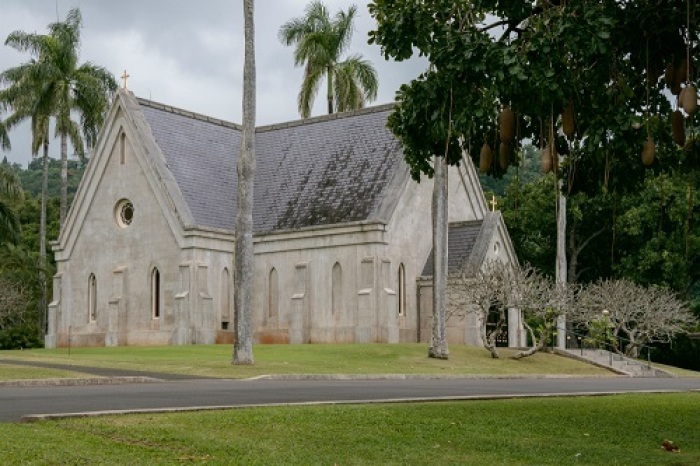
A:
[636,314]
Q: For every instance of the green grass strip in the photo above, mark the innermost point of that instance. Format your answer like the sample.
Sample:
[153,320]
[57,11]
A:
[610,430]
[215,361]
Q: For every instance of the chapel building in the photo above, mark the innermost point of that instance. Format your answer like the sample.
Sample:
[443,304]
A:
[342,234]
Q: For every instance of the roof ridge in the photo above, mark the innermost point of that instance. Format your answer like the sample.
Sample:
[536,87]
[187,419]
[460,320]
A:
[187,113]
[263,128]
[323,118]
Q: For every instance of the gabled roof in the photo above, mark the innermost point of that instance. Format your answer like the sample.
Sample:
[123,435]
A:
[468,244]
[461,238]
[319,171]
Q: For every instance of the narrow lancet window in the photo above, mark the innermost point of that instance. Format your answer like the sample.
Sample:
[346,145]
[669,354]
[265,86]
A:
[337,290]
[273,303]
[155,293]
[92,298]
[402,290]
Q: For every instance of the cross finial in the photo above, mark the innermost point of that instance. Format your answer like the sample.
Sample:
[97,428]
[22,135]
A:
[493,203]
[124,77]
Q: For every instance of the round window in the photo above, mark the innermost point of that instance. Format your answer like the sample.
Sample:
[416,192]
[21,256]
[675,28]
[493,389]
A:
[124,213]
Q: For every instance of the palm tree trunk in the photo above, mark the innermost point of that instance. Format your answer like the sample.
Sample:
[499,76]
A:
[329,95]
[244,267]
[561,263]
[64,178]
[438,347]
[43,304]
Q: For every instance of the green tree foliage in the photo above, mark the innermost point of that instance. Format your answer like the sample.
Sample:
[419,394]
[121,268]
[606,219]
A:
[10,191]
[21,289]
[605,57]
[658,232]
[31,177]
[21,270]
[320,44]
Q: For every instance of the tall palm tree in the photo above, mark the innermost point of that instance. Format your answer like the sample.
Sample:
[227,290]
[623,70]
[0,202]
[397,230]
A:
[60,87]
[320,44]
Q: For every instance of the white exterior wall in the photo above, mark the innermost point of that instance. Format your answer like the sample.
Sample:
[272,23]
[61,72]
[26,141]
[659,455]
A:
[190,263]
[303,261]
[121,259]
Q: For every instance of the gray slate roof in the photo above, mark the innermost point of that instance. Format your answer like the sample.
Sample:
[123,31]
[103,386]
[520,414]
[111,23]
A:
[320,171]
[461,239]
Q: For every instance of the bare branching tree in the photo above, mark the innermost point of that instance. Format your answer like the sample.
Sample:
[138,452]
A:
[496,287]
[489,290]
[638,315]
[545,301]
[13,304]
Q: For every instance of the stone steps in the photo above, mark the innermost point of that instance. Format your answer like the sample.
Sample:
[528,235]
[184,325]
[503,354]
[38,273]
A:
[617,362]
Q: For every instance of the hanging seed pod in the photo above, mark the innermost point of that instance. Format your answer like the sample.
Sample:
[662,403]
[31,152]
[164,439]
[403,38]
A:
[669,75]
[676,86]
[648,151]
[546,159]
[485,158]
[689,99]
[678,128]
[506,125]
[567,120]
[653,74]
[682,71]
[504,156]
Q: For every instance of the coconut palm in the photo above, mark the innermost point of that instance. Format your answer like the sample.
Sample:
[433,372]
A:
[59,87]
[320,43]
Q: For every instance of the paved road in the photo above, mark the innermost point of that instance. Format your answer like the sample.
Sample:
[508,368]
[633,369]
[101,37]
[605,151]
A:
[16,402]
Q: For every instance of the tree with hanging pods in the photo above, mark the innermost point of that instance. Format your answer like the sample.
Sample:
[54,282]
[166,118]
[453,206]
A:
[586,82]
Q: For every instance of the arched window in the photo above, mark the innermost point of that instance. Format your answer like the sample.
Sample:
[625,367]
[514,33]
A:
[225,299]
[155,293]
[337,290]
[92,298]
[122,149]
[273,303]
[402,290]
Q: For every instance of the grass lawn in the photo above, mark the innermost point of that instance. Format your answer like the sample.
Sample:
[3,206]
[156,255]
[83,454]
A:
[13,372]
[610,430]
[215,361]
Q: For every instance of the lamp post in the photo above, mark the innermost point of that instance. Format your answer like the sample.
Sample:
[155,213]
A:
[606,320]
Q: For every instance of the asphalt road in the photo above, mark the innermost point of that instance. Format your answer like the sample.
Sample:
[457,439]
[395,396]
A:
[16,402]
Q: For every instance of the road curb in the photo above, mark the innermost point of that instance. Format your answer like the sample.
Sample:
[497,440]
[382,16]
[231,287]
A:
[77,382]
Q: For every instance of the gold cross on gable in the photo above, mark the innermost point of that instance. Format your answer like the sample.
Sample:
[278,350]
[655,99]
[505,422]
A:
[493,203]
[124,77]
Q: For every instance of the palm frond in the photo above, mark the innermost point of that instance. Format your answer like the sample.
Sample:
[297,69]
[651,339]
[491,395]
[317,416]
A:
[309,89]
[10,186]
[9,224]
[4,137]
[343,28]
[365,75]
[355,84]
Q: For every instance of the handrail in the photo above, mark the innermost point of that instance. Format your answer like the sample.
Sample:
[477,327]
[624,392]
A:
[609,346]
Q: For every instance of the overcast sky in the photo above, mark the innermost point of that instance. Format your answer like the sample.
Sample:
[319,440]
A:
[189,53]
